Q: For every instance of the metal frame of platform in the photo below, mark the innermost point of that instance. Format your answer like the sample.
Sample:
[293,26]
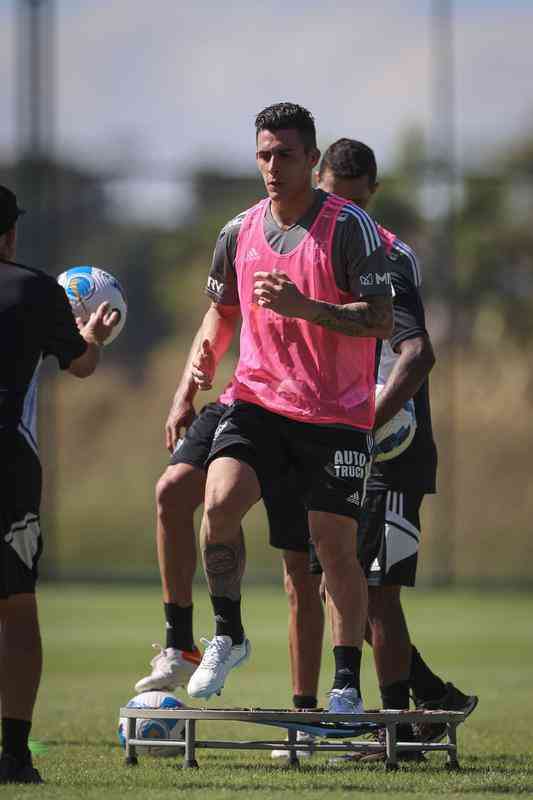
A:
[389,720]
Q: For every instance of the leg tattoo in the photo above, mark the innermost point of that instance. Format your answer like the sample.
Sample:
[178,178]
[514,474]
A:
[224,568]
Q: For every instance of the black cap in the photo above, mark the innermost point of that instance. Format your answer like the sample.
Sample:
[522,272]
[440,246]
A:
[9,210]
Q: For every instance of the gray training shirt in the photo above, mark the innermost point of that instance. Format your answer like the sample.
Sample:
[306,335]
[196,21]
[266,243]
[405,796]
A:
[358,258]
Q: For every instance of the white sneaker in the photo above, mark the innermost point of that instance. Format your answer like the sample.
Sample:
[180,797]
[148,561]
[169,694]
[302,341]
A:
[301,736]
[170,668]
[220,656]
[345,701]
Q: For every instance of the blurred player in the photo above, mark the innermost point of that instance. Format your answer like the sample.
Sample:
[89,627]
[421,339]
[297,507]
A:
[303,390]
[35,321]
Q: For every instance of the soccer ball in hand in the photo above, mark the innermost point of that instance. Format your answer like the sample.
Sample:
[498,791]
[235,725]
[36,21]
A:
[396,435]
[89,287]
[154,730]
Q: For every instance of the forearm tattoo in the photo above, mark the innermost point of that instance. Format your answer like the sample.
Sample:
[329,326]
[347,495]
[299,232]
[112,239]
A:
[355,319]
[224,568]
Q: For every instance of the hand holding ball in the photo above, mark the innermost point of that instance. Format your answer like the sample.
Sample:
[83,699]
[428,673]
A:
[87,288]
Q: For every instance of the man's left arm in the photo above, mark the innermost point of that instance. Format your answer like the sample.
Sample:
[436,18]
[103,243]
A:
[371,316]
[360,269]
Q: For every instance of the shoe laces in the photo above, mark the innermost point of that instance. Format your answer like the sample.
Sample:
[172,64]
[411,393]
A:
[346,691]
[346,694]
[216,650]
[160,655]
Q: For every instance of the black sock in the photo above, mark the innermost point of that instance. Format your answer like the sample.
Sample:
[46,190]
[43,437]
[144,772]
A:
[228,618]
[395,695]
[15,733]
[347,667]
[301,701]
[424,683]
[179,626]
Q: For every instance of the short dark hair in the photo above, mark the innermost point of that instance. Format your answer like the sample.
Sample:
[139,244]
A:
[288,115]
[347,158]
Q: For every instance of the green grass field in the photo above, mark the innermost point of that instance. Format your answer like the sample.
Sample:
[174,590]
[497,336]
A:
[97,644]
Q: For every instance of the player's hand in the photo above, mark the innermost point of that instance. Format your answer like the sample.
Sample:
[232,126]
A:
[276,291]
[204,366]
[180,417]
[99,325]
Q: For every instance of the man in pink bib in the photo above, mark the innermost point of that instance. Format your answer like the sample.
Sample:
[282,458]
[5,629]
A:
[306,270]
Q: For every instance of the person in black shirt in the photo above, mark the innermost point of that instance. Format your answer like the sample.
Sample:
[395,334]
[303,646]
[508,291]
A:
[390,527]
[36,320]
[389,531]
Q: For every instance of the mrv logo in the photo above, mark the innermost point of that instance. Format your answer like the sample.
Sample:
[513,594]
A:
[349,464]
[214,285]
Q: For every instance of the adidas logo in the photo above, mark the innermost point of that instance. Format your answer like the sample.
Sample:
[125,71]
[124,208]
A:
[252,255]
[354,498]
[375,566]
[219,430]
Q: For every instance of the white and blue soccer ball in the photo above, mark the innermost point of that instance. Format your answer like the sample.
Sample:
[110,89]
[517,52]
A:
[395,436]
[154,730]
[88,287]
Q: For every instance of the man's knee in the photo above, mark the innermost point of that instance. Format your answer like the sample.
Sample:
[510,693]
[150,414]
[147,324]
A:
[221,508]
[180,489]
[383,602]
[300,585]
[232,488]
[19,618]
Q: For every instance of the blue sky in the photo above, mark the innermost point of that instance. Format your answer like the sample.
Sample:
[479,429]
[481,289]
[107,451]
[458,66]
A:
[182,82]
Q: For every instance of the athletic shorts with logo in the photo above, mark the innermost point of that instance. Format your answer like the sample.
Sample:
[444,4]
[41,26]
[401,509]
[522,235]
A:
[20,533]
[331,463]
[287,520]
[389,536]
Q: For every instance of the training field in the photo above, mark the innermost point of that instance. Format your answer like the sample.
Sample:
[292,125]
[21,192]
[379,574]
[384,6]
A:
[97,644]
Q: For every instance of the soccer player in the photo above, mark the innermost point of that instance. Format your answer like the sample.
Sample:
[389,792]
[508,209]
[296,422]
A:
[389,530]
[35,321]
[303,391]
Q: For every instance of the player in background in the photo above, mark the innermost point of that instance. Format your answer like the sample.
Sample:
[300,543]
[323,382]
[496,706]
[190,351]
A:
[302,393]
[389,530]
[35,321]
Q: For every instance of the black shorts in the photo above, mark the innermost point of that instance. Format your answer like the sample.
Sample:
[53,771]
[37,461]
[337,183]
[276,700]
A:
[195,446]
[389,537]
[331,464]
[287,518]
[20,532]
[287,515]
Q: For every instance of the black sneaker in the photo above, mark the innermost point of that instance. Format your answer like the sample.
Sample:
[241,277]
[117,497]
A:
[14,771]
[404,734]
[452,700]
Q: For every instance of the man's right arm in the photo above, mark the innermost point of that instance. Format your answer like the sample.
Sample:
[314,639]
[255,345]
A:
[209,345]
[411,341]
[213,337]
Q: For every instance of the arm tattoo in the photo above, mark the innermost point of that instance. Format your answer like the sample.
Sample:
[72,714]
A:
[224,568]
[365,318]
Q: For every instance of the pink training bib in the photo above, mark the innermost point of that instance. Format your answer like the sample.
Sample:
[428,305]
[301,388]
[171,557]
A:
[289,366]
